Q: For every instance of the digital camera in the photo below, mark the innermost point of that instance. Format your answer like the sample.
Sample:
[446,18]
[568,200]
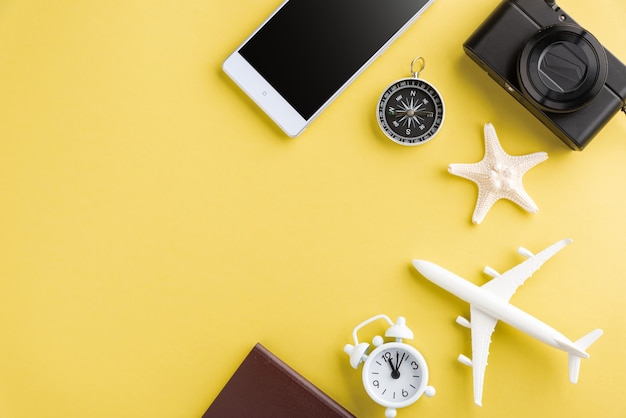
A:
[559,71]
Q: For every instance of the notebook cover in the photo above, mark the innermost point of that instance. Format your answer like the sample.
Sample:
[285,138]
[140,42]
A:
[265,387]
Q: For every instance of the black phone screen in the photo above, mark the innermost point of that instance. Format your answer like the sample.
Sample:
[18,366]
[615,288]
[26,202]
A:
[310,48]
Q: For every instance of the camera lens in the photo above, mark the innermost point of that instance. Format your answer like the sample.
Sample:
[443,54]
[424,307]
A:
[562,67]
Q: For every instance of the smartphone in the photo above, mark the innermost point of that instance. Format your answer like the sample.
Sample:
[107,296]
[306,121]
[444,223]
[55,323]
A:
[308,51]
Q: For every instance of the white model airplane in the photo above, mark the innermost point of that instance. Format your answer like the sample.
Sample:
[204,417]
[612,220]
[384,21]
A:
[490,303]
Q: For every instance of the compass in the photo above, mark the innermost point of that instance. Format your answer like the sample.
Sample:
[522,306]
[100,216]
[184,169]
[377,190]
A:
[411,111]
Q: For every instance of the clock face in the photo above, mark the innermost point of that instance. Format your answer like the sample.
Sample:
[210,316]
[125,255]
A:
[410,111]
[395,375]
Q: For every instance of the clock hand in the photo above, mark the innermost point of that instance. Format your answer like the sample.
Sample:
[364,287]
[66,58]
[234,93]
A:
[393,369]
[395,373]
[400,364]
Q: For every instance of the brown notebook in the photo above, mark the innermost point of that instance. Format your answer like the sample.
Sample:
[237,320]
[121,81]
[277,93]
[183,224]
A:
[265,387]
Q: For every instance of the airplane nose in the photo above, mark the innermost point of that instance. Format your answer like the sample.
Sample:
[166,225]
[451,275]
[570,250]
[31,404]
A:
[426,268]
[421,264]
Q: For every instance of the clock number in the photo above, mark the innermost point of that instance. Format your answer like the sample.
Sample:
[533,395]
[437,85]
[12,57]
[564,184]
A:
[415,365]
[376,383]
[405,393]
[386,355]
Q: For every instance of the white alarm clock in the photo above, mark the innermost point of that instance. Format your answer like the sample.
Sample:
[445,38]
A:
[395,374]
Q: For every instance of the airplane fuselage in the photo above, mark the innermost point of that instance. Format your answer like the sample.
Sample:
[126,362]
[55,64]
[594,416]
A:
[493,306]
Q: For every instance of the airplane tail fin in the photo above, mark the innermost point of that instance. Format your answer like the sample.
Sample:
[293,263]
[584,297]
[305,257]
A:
[573,358]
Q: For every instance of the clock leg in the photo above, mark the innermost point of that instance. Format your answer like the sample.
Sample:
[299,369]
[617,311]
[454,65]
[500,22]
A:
[390,413]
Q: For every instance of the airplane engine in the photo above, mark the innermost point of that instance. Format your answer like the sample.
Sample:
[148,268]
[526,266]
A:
[463,322]
[464,360]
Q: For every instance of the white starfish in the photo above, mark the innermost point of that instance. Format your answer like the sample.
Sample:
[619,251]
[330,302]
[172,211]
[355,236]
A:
[498,176]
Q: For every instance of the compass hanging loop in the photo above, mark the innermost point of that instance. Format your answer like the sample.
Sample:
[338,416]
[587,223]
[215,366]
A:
[421,65]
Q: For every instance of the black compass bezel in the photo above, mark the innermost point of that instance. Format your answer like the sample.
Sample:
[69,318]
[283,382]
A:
[422,90]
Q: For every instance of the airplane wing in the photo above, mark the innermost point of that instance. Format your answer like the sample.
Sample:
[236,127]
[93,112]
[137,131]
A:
[482,328]
[506,284]
[483,324]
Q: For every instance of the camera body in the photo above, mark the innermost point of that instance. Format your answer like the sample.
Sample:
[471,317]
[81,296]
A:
[559,71]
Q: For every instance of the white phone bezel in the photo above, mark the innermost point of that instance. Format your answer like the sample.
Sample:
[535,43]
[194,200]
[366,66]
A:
[270,100]
[264,95]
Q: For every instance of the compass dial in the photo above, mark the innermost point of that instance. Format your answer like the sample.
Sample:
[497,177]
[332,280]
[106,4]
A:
[410,111]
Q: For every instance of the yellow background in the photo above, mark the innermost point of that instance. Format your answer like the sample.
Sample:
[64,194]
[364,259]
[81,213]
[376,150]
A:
[155,225]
